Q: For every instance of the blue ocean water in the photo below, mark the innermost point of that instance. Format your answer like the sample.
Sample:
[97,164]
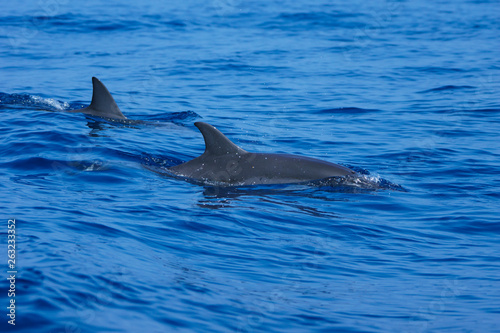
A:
[404,92]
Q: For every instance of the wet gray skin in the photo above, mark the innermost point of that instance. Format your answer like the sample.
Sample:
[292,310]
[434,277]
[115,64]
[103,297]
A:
[225,162]
[103,104]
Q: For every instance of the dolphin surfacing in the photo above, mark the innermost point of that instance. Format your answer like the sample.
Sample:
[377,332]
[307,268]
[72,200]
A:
[225,162]
[103,104]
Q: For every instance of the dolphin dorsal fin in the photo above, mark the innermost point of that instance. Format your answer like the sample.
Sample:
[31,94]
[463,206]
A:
[103,102]
[216,143]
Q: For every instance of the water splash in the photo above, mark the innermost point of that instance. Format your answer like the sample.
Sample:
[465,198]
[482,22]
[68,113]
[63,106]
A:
[32,101]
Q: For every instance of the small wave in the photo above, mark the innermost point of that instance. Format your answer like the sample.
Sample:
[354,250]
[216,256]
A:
[447,87]
[346,110]
[32,101]
[316,16]
[350,184]
[294,21]
[165,20]
[483,111]
[70,22]
[358,183]
[464,111]
[434,70]
[40,163]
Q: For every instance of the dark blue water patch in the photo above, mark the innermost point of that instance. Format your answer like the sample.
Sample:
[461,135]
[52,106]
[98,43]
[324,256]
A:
[456,133]
[231,192]
[475,112]
[293,22]
[315,17]
[166,20]
[33,321]
[465,225]
[77,23]
[448,88]
[227,65]
[25,142]
[346,110]
[94,53]
[98,229]
[434,70]
[461,116]
[32,163]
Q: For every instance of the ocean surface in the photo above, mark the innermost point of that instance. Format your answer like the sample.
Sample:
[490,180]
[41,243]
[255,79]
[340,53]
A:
[404,92]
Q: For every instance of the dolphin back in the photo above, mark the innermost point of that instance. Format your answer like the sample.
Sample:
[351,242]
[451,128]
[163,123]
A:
[225,162]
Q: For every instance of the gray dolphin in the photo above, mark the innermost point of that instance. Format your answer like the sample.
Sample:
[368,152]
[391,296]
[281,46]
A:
[225,162]
[103,104]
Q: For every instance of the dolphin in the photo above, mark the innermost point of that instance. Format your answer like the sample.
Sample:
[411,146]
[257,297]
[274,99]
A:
[103,104]
[225,162]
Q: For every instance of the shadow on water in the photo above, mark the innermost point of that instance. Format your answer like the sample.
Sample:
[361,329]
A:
[172,119]
[335,189]
[349,184]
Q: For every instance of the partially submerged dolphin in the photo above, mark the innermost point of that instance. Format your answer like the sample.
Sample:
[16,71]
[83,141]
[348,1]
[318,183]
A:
[225,162]
[103,104]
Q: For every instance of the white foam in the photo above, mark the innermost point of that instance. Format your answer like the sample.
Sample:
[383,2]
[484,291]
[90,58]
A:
[55,104]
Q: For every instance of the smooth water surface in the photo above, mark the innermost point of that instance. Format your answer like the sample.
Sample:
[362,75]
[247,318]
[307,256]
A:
[404,92]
